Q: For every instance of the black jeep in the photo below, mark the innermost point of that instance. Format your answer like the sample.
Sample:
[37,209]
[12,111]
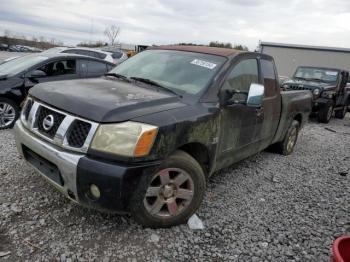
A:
[328,88]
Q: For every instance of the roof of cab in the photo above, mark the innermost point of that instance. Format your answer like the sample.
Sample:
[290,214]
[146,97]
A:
[226,52]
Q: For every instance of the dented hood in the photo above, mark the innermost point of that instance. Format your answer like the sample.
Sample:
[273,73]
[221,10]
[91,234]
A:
[104,100]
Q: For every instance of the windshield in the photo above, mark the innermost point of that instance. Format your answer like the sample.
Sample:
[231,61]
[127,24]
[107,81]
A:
[317,74]
[20,64]
[186,72]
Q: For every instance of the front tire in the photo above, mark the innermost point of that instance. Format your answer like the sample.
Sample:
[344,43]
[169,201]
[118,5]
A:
[9,113]
[286,146]
[171,195]
[325,114]
[341,112]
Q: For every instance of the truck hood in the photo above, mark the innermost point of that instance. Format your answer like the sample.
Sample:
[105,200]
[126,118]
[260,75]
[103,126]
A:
[307,85]
[103,100]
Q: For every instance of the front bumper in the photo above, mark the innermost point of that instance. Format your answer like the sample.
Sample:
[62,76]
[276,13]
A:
[320,103]
[78,172]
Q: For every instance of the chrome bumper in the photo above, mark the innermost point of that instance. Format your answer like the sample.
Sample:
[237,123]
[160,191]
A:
[66,162]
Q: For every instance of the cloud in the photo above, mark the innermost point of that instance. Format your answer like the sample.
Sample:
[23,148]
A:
[316,22]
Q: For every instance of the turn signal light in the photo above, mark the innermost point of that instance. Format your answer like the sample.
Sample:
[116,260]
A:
[145,143]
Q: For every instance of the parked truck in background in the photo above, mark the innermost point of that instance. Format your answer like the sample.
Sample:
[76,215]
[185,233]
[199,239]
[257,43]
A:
[145,138]
[328,87]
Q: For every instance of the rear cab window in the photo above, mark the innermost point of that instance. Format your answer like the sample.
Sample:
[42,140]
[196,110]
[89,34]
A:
[269,77]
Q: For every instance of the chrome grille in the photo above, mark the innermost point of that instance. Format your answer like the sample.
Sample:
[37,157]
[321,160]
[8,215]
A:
[78,132]
[27,108]
[57,120]
[67,131]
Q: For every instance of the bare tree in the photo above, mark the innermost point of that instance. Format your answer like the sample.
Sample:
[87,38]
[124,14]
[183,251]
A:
[7,33]
[112,33]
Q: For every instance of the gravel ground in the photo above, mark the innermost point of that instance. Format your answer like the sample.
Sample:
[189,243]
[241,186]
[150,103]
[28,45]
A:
[266,208]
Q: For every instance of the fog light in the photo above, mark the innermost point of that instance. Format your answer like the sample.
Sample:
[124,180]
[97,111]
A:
[95,191]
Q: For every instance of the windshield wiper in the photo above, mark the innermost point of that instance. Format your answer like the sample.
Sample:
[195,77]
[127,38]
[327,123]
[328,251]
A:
[154,83]
[119,76]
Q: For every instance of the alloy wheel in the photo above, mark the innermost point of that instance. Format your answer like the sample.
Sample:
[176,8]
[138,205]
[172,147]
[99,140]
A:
[169,193]
[345,109]
[329,113]
[292,139]
[7,114]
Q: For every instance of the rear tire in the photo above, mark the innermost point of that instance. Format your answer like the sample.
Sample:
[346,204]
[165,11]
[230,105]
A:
[174,192]
[9,113]
[286,146]
[325,114]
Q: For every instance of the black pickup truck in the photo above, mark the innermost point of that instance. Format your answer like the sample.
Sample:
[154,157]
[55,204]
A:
[328,87]
[145,138]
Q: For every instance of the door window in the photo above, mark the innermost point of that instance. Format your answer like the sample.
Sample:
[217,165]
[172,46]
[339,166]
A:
[117,55]
[243,75]
[98,55]
[59,68]
[268,72]
[95,67]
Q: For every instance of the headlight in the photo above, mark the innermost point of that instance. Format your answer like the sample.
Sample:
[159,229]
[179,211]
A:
[130,139]
[316,92]
[285,86]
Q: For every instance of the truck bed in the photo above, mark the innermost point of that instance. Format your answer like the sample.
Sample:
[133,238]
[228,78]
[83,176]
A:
[295,104]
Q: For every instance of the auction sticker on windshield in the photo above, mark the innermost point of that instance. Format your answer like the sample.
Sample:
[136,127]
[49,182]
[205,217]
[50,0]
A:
[202,63]
[331,73]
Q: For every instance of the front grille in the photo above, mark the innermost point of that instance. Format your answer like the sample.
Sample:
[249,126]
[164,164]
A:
[298,87]
[57,120]
[78,133]
[58,127]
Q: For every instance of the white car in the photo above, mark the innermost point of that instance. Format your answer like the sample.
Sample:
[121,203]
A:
[114,57]
[8,59]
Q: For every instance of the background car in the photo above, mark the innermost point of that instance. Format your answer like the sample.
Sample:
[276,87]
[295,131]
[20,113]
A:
[115,57]
[19,75]
[3,47]
[282,80]
[8,59]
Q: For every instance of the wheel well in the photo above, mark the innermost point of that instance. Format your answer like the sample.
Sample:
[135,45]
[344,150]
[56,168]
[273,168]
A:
[298,118]
[200,153]
[14,99]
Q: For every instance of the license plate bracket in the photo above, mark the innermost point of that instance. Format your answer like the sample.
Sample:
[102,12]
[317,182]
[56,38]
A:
[47,168]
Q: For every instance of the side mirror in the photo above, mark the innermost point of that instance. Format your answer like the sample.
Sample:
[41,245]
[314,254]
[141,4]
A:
[37,74]
[255,95]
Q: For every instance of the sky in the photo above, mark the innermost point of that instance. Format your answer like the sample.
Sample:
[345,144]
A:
[314,22]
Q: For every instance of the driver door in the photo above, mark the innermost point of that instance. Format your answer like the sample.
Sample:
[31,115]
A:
[238,121]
